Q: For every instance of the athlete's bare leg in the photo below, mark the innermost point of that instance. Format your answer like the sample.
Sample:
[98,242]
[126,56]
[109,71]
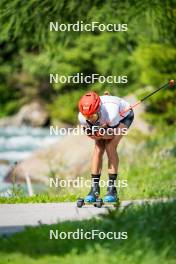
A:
[97,158]
[111,150]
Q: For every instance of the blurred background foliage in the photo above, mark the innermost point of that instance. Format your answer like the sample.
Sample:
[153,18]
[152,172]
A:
[146,53]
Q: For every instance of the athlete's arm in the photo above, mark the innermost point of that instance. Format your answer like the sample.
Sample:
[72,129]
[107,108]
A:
[122,107]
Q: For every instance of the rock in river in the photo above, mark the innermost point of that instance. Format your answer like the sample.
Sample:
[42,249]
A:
[69,157]
[33,114]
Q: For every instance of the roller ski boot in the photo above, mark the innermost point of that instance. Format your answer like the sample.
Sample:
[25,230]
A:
[111,197]
[91,198]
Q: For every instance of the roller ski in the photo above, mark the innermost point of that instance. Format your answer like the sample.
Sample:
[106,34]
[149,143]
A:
[110,199]
[92,198]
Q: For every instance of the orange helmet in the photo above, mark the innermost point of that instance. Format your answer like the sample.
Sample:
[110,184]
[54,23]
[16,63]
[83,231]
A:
[89,103]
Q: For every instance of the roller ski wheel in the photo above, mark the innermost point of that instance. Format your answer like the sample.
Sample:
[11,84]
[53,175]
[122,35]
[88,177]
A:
[80,203]
[99,203]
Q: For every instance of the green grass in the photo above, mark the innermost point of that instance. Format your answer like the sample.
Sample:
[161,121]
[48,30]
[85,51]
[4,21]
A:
[151,239]
[39,198]
[150,167]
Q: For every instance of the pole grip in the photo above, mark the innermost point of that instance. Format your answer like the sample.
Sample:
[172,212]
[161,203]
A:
[122,114]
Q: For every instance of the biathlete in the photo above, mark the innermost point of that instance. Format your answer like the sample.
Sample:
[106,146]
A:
[104,112]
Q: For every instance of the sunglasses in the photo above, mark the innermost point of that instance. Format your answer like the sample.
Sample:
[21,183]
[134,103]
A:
[91,116]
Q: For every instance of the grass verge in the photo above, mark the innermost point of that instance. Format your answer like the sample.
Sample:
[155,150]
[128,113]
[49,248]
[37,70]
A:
[151,239]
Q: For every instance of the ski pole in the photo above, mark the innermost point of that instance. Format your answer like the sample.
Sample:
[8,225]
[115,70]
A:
[171,83]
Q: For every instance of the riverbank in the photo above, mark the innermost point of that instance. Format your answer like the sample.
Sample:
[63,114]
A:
[17,144]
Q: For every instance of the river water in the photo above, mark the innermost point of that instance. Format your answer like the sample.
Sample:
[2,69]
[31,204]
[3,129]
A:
[17,144]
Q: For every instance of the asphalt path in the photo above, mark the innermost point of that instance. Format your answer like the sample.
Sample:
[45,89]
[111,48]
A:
[15,217]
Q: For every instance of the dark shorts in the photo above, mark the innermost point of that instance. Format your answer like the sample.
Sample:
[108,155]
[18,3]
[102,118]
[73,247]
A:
[127,121]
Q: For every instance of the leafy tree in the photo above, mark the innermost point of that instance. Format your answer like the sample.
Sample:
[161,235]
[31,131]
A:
[29,51]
